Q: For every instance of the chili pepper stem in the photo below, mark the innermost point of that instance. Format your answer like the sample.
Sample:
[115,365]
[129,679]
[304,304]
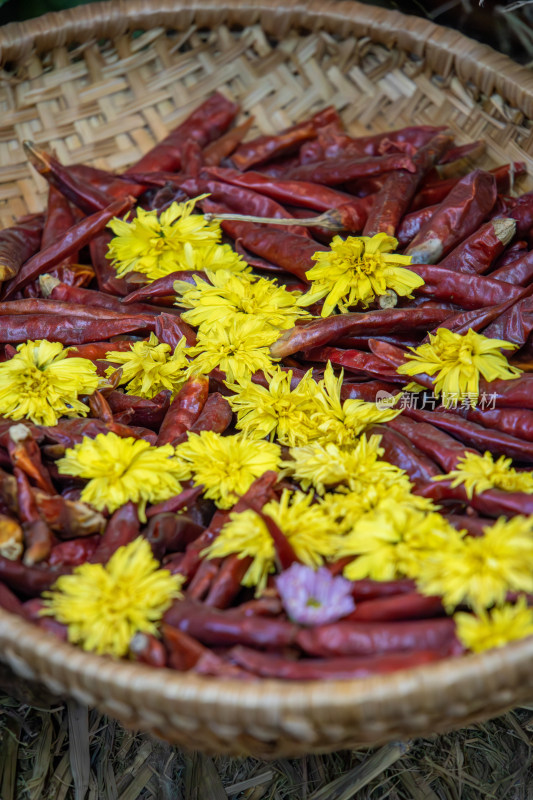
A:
[47,284]
[329,220]
[388,300]
[38,158]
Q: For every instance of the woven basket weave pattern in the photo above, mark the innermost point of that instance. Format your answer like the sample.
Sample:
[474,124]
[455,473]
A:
[82,83]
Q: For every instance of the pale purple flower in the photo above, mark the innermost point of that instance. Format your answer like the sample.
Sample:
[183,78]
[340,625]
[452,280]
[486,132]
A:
[314,597]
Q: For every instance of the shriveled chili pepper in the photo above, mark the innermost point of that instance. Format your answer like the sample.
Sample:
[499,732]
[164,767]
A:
[333,172]
[491,502]
[55,290]
[518,272]
[404,606]
[436,444]
[18,244]
[187,654]
[122,528]
[205,124]
[367,390]
[393,199]
[477,319]
[76,237]
[25,580]
[268,665]
[372,638]
[146,649]
[229,627]
[184,409]
[357,362]
[69,519]
[411,224]
[321,331]
[475,435]
[86,197]
[226,583]
[309,195]
[405,455]
[21,327]
[335,144]
[171,329]
[473,525]
[515,324]
[436,192]
[518,422]
[361,342]
[268,605]
[216,415]
[224,146]
[242,201]
[37,535]
[25,454]
[470,291]
[260,492]
[478,252]
[10,602]
[202,579]
[148,413]
[162,287]
[104,271]
[73,552]
[463,211]
[170,533]
[59,218]
[265,148]
[513,252]
[96,351]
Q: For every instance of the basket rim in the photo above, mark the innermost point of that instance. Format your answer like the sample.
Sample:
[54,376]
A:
[442,47]
[456,689]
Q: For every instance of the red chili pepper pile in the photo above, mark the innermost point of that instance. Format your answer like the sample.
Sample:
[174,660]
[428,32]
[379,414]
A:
[409,183]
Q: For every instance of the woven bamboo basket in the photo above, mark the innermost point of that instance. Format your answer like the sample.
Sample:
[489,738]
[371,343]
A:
[101,84]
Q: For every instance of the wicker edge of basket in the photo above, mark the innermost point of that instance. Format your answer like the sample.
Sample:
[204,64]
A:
[275,716]
[443,48]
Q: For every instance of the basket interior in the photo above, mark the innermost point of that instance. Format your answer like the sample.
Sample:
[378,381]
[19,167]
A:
[107,102]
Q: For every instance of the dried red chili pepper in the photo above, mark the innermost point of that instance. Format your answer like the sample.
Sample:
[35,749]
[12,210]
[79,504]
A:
[55,290]
[69,519]
[333,172]
[25,454]
[74,552]
[205,124]
[202,579]
[226,583]
[224,146]
[148,650]
[518,272]
[372,638]
[400,607]
[122,528]
[393,199]
[386,321]
[367,390]
[25,580]
[10,602]
[229,627]
[354,361]
[148,413]
[491,502]
[216,415]
[171,330]
[67,330]
[411,224]
[38,537]
[170,532]
[515,324]
[86,197]
[463,211]
[18,244]
[478,252]
[399,450]
[104,271]
[470,291]
[436,192]
[162,287]
[436,444]
[475,435]
[335,144]
[242,201]
[518,422]
[184,409]
[274,666]
[76,237]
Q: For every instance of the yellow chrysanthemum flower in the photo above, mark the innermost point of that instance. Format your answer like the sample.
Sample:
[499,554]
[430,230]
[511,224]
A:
[322,466]
[304,524]
[105,606]
[484,568]
[277,411]
[150,367]
[457,360]
[239,349]
[357,270]
[153,243]
[226,466]
[228,296]
[479,473]
[345,509]
[120,470]
[494,628]
[342,422]
[41,384]
[212,257]
[394,540]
